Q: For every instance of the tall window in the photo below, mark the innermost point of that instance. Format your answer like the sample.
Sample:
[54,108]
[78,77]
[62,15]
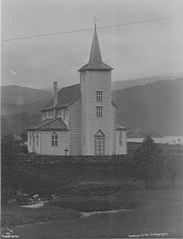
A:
[65,113]
[51,113]
[99,96]
[58,112]
[99,111]
[120,138]
[37,139]
[30,139]
[54,139]
[44,115]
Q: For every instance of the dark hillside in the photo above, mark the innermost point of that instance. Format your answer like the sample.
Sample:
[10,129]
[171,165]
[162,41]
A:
[123,84]
[156,107]
[16,124]
[13,94]
[31,108]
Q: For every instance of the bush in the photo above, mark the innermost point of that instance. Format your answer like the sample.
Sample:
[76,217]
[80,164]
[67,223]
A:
[9,163]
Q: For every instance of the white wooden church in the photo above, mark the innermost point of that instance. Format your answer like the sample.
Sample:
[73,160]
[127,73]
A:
[80,119]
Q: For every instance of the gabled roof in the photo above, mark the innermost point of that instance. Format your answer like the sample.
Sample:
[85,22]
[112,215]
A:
[93,66]
[66,96]
[120,127]
[95,61]
[50,124]
[100,133]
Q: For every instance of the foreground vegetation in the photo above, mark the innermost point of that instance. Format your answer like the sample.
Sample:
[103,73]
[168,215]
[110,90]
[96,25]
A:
[79,187]
[66,208]
[13,215]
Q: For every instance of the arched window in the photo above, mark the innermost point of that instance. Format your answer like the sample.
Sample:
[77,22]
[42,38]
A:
[54,139]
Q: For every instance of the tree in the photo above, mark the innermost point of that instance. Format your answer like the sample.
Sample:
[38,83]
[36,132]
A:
[9,165]
[9,152]
[171,169]
[149,162]
[24,135]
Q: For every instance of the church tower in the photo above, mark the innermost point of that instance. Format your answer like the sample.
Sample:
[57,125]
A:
[96,107]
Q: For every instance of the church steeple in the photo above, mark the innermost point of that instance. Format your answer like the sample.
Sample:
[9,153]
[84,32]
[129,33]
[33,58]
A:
[95,55]
[95,60]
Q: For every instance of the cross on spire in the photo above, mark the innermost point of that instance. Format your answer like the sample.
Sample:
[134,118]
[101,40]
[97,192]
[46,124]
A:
[95,19]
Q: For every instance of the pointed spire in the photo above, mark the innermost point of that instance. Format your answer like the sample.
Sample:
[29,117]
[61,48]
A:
[95,54]
[95,61]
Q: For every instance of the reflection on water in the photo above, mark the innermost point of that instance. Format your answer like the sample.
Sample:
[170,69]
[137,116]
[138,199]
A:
[162,140]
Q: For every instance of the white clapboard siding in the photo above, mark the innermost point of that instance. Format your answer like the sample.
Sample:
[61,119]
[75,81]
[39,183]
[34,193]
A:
[121,149]
[48,149]
[75,127]
[113,132]
[34,142]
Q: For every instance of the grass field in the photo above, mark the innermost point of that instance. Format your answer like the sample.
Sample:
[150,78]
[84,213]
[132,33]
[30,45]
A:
[79,188]
[65,178]
[94,187]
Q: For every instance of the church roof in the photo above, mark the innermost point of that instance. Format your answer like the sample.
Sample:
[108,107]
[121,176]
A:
[95,61]
[66,96]
[120,127]
[50,124]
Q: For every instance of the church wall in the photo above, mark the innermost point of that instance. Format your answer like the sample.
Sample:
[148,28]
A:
[93,81]
[75,127]
[46,146]
[37,142]
[34,141]
[29,143]
[63,113]
[84,113]
[121,149]
[113,133]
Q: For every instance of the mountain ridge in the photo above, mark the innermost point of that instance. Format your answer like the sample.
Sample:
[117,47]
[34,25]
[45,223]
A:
[18,95]
[116,85]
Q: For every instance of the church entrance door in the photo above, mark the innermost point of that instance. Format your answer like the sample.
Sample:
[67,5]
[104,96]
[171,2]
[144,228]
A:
[99,143]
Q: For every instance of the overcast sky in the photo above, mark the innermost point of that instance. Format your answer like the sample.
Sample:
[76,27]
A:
[134,51]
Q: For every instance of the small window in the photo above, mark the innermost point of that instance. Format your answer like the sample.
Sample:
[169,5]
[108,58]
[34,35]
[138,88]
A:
[99,96]
[120,139]
[54,139]
[99,111]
